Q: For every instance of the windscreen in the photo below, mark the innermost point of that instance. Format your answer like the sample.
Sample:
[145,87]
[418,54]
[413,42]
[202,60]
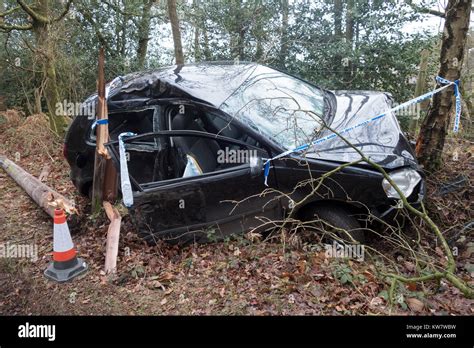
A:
[283,108]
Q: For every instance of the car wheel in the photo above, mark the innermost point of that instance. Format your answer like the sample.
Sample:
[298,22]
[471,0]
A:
[335,221]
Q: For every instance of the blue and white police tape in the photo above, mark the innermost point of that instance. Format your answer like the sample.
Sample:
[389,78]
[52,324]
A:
[457,95]
[124,177]
[416,100]
[99,122]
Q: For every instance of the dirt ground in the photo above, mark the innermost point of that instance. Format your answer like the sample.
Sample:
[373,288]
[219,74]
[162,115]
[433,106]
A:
[241,276]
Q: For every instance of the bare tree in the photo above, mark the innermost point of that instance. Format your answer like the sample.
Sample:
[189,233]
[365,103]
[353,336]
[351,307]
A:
[430,143]
[337,18]
[349,34]
[144,32]
[38,20]
[284,33]
[196,20]
[174,20]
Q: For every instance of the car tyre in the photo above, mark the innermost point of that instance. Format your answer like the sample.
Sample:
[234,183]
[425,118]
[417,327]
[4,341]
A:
[340,218]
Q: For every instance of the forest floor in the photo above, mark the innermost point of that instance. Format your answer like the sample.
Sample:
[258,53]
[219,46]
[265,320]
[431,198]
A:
[240,276]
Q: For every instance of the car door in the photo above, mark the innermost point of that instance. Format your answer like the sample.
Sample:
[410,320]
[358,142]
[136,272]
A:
[223,199]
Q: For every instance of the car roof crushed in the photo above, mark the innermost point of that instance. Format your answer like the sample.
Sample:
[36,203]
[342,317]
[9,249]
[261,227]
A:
[210,83]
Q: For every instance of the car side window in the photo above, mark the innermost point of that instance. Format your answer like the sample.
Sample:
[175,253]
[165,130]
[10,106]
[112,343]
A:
[195,118]
[136,121]
[184,157]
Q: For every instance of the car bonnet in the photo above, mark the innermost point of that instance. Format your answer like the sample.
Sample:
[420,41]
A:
[381,140]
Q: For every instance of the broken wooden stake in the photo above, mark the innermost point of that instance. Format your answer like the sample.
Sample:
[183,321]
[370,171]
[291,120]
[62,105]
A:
[44,196]
[113,236]
[104,184]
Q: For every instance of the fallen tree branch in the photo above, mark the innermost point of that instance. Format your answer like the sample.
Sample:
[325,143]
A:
[449,273]
[43,195]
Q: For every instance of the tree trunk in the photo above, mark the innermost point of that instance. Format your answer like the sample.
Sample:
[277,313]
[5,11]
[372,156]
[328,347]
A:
[237,31]
[196,22]
[350,21]
[233,45]
[241,41]
[2,8]
[284,33]
[420,87]
[174,20]
[259,37]
[117,30]
[207,50]
[337,19]
[430,142]
[45,54]
[39,23]
[349,35]
[337,39]
[144,33]
[124,31]
[197,51]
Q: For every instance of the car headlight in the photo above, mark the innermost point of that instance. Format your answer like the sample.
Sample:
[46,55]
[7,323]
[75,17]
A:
[406,179]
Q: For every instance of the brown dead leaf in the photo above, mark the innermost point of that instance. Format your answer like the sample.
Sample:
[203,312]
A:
[439,251]
[157,284]
[415,304]
[409,266]
[376,302]
[165,277]
[370,277]
[302,266]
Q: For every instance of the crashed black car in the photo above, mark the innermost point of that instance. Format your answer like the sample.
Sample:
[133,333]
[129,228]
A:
[204,132]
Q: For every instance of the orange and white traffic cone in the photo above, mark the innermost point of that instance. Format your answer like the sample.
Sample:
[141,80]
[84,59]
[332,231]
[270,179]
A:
[66,265]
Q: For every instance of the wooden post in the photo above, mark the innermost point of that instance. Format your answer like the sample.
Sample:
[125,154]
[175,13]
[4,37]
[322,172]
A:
[113,235]
[110,182]
[105,177]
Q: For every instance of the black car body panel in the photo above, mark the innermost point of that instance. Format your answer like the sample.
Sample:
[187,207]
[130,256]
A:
[247,107]
[383,141]
[198,208]
[210,83]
